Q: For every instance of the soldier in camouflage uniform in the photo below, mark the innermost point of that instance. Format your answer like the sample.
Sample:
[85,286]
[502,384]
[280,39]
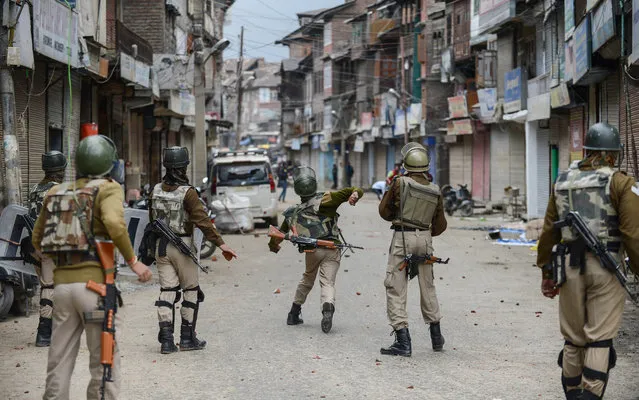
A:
[71,213]
[414,206]
[54,164]
[178,204]
[591,299]
[316,217]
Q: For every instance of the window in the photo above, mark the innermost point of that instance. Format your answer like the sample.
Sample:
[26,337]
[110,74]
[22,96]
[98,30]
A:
[240,174]
[358,33]
[56,139]
[328,34]
[318,82]
[267,95]
[180,41]
[328,76]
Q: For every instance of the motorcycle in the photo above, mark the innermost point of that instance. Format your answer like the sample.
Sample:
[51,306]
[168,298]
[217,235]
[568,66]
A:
[142,202]
[459,199]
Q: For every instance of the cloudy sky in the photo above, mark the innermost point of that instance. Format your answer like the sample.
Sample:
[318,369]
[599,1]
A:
[266,21]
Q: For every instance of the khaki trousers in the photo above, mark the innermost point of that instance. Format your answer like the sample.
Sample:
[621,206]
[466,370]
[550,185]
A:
[326,262]
[396,282]
[590,310]
[71,301]
[45,274]
[179,272]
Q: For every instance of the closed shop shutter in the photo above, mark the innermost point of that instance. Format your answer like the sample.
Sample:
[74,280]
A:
[481,163]
[461,162]
[507,159]
[21,86]
[542,170]
[55,101]
[611,111]
[380,161]
[630,129]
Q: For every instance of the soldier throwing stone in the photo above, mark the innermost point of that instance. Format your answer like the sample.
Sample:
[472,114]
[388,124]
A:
[591,300]
[54,164]
[414,206]
[61,233]
[178,204]
[316,217]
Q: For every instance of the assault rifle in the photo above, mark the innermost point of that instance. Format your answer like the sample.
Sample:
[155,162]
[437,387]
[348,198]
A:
[302,241]
[110,299]
[412,261]
[160,227]
[576,222]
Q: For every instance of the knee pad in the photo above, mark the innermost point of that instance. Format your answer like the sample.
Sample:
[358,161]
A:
[612,354]
[560,359]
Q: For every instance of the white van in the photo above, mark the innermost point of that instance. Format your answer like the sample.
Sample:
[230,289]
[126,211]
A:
[246,173]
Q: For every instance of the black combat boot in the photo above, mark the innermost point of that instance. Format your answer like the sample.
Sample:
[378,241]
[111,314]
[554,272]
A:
[436,337]
[43,337]
[188,339]
[294,316]
[588,395]
[327,317]
[575,394]
[401,346]
[165,337]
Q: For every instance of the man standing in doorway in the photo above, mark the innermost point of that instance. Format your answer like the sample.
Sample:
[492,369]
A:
[334,176]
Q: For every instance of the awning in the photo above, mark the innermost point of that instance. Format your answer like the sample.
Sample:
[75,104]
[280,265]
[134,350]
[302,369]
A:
[519,116]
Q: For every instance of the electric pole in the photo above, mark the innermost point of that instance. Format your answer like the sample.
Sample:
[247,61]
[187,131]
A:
[240,66]
[12,173]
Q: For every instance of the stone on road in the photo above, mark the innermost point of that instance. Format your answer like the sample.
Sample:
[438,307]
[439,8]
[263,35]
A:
[502,336]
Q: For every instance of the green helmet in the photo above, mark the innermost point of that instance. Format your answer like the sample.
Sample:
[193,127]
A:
[176,157]
[411,145]
[416,160]
[95,156]
[304,181]
[53,161]
[603,136]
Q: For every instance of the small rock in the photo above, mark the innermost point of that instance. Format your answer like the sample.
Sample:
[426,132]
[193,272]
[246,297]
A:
[15,321]
[475,324]
[214,258]
[277,291]
[410,387]
[18,365]
[313,371]
[516,304]
[345,270]
[316,357]
[26,391]
[236,285]
[441,278]
[378,361]
[501,301]
[463,277]
[256,235]
[473,312]
[358,293]
[154,361]
[347,255]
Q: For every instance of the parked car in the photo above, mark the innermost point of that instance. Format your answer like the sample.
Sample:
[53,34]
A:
[246,173]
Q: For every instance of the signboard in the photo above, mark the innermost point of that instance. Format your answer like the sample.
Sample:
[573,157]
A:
[175,124]
[569,65]
[358,147]
[400,126]
[582,49]
[296,145]
[635,32]
[315,142]
[539,107]
[603,25]
[22,40]
[487,102]
[494,12]
[135,70]
[559,96]
[415,114]
[460,127]
[182,102]
[513,91]
[576,139]
[457,107]
[569,18]
[51,31]
[366,121]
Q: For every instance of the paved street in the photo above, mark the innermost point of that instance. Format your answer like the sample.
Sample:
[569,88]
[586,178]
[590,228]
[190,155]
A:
[502,336]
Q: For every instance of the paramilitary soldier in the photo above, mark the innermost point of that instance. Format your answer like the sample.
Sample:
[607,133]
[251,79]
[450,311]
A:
[591,299]
[316,217]
[72,215]
[414,206]
[178,204]
[54,164]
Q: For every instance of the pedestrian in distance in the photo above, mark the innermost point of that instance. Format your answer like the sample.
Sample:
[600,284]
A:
[282,175]
[177,203]
[379,188]
[74,216]
[591,299]
[349,174]
[414,206]
[334,172]
[316,217]
[54,164]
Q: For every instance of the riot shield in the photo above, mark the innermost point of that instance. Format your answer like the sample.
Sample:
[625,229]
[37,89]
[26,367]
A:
[13,228]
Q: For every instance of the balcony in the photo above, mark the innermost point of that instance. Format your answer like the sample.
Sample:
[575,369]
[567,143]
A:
[380,27]
[126,39]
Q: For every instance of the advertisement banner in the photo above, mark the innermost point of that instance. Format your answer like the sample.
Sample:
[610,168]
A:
[539,107]
[559,96]
[581,48]
[135,70]
[487,102]
[513,91]
[569,65]
[51,31]
[576,135]
[358,147]
[460,127]
[366,121]
[457,107]
[603,25]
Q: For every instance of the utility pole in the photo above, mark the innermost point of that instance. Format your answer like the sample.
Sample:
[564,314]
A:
[403,89]
[12,173]
[240,66]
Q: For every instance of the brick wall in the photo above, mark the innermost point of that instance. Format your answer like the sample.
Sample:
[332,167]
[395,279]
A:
[147,19]
[111,16]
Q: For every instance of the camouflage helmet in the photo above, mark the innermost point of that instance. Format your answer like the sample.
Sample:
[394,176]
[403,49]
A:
[53,161]
[416,160]
[409,146]
[95,156]
[176,157]
[603,136]
[304,181]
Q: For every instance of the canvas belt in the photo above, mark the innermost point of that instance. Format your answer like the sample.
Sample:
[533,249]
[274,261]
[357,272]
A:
[398,228]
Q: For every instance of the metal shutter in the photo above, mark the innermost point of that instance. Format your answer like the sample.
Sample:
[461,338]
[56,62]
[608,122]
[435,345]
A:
[630,131]
[55,101]
[507,159]
[518,157]
[461,156]
[542,189]
[611,111]
[37,138]
[21,88]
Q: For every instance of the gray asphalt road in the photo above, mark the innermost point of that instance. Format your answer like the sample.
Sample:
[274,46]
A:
[502,336]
